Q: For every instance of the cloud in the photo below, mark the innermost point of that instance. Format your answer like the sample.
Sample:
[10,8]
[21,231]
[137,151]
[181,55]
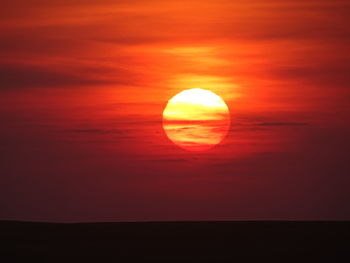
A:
[34,76]
[94,131]
[323,73]
[266,124]
[171,160]
[134,22]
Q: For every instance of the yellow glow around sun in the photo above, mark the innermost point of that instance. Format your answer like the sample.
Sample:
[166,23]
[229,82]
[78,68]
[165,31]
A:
[196,119]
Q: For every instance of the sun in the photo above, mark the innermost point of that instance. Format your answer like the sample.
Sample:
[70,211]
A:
[196,119]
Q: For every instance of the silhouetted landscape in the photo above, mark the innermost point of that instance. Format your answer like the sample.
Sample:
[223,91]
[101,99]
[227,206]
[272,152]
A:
[176,241]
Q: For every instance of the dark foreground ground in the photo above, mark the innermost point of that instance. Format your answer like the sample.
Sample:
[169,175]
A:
[176,241]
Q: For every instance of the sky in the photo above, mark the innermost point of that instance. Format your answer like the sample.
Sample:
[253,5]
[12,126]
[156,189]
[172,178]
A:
[83,85]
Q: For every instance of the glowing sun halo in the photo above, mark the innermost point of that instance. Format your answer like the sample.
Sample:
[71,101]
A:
[196,119]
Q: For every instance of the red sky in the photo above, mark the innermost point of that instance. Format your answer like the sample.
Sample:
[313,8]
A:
[83,85]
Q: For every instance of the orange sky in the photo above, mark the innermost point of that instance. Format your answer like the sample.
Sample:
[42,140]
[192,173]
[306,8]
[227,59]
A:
[84,85]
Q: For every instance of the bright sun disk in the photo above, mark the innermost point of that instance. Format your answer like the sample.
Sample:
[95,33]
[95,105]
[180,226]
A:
[196,119]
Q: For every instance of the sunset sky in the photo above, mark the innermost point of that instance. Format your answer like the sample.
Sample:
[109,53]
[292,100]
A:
[83,85]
